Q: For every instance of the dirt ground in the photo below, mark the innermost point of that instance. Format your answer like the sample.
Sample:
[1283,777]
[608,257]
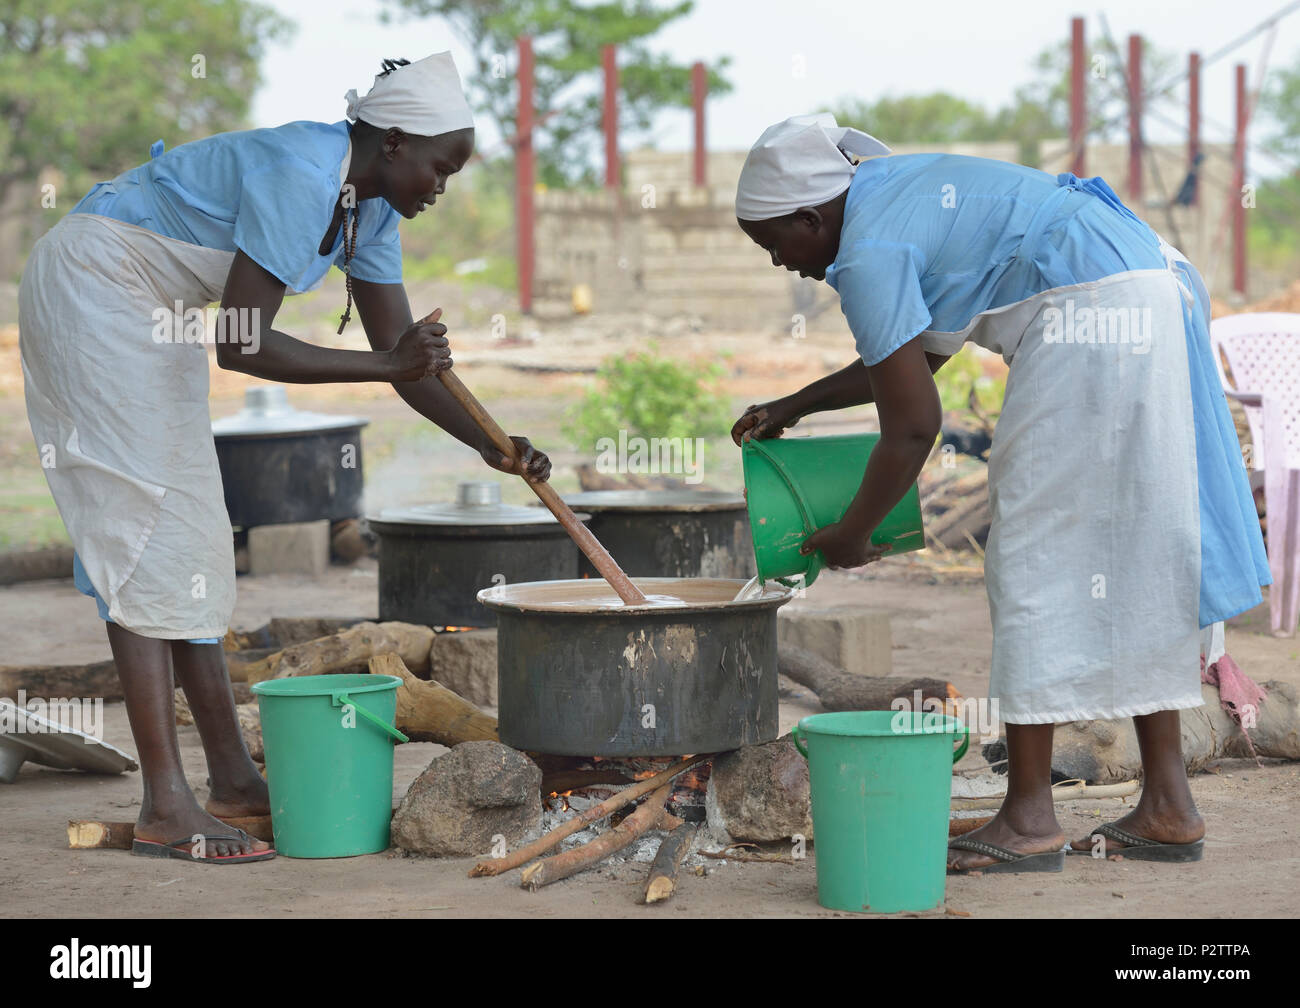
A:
[1250,868]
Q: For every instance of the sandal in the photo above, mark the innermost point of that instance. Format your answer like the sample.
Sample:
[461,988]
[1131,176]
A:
[1008,860]
[183,850]
[1139,848]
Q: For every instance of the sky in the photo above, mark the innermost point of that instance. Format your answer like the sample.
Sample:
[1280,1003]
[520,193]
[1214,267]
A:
[792,56]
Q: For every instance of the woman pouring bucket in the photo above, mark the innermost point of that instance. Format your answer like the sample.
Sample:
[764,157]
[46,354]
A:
[1123,527]
[241,218]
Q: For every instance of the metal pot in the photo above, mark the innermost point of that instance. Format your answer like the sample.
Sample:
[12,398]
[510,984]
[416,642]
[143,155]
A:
[280,464]
[580,674]
[670,533]
[434,558]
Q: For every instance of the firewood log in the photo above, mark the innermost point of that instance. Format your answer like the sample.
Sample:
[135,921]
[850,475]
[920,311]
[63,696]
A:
[661,882]
[838,690]
[93,679]
[540,846]
[95,834]
[561,866]
[352,647]
[429,712]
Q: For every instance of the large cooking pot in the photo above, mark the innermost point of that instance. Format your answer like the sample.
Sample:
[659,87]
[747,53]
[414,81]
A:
[670,533]
[435,558]
[280,464]
[581,674]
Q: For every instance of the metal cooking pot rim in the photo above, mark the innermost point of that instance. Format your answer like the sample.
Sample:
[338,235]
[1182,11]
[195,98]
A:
[498,597]
[656,500]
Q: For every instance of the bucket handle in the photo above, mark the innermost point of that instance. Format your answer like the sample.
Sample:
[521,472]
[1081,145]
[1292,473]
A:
[798,742]
[342,698]
[957,753]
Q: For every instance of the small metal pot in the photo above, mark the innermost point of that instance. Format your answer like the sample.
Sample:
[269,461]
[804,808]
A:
[670,533]
[280,464]
[435,558]
[576,679]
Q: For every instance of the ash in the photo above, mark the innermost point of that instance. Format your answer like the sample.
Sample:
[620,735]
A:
[640,851]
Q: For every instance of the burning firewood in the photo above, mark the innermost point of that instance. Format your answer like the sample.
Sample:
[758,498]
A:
[662,881]
[537,848]
[352,647]
[648,816]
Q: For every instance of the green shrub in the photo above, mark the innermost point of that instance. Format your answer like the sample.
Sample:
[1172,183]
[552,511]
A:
[652,396]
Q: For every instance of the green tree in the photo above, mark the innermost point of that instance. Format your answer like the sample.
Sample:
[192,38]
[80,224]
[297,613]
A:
[87,85]
[1039,109]
[567,41]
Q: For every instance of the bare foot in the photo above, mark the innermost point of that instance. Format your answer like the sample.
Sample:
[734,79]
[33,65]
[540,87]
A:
[1170,826]
[249,799]
[1044,838]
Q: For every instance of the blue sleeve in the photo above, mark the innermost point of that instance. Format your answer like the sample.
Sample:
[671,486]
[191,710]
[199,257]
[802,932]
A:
[379,245]
[285,207]
[879,284]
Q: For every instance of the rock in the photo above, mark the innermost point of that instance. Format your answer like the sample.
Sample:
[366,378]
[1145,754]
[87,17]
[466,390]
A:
[466,663]
[250,726]
[760,793]
[465,798]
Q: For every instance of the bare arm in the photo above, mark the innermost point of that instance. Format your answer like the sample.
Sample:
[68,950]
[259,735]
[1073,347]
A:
[850,386]
[386,313]
[247,343]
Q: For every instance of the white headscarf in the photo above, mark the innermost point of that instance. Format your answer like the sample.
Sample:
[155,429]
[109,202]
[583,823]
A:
[798,163]
[422,98]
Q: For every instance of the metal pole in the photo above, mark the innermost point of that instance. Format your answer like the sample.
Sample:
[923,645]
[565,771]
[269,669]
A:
[1238,183]
[1078,95]
[1135,119]
[699,91]
[1194,116]
[607,54]
[525,251]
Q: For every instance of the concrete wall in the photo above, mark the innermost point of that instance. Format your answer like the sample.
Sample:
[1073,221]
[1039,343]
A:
[1203,232]
[668,248]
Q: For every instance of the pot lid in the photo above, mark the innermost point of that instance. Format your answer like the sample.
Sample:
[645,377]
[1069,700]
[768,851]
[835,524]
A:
[656,500]
[267,412]
[476,503]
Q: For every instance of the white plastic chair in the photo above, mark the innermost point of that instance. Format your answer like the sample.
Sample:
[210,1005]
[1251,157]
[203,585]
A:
[1263,353]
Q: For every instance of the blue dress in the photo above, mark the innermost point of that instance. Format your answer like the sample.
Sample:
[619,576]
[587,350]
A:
[930,241]
[269,192]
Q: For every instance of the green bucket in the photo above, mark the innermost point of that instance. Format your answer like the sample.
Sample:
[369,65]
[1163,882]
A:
[881,792]
[794,486]
[329,762]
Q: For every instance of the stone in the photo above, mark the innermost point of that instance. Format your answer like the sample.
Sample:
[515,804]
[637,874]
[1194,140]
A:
[289,548]
[852,639]
[760,794]
[466,799]
[465,661]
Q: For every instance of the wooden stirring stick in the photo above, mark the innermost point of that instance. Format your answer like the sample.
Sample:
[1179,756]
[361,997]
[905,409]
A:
[578,532]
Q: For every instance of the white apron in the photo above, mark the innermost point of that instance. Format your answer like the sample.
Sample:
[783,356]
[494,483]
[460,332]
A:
[121,419]
[1093,559]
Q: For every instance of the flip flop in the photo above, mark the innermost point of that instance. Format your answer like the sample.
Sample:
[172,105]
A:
[1140,848]
[182,849]
[1008,860]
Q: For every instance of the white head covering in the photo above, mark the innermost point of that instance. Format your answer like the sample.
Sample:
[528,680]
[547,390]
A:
[798,163]
[422,98]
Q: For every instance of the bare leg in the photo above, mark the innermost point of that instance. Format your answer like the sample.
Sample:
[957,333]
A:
[1026,822]
[1165,812]
[237,786]
[169,810]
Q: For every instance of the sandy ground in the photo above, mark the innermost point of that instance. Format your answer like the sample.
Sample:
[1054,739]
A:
[1250,868]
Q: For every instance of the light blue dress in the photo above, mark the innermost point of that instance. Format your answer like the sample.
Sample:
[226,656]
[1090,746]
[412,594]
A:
[269,192]
[929,241]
